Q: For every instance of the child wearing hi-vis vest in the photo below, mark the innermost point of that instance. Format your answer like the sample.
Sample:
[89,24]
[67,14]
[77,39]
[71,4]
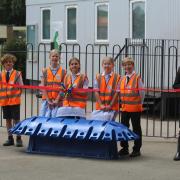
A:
[52,77]
[132,97]
[10,97]
[107,105]
[74,102]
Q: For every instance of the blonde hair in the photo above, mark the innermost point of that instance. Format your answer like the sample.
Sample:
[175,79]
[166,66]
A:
[108,59]
[127,60]
[8,57]
[55,51]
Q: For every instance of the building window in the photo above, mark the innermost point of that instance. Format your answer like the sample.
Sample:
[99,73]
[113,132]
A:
[71,19]
[137,23]
[31,34]
[102,22]
[45,23]
[32,43]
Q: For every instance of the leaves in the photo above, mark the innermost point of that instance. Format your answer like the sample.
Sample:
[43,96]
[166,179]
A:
[13,12]
[18,48]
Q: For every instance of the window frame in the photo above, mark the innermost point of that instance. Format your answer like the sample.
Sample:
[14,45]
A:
[101,41]
[70,7]
[45,40]
[131,21]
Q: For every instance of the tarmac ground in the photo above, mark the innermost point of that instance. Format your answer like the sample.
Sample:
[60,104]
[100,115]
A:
[155,163]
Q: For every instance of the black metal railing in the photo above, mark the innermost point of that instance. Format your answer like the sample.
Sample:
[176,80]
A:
[155,60]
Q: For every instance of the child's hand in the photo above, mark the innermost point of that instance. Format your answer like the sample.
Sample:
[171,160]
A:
[85,77]
[49,101]
[55,102]
[50,104]
[102,107]
[108,107]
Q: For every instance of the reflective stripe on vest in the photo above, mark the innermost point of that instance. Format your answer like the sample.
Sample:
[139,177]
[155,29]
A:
[130,99]
[75,99]
[10,95]
[107,90]
[53,81]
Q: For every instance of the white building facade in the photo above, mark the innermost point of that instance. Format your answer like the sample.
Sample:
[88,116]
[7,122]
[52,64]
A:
[103,21]
[98,22]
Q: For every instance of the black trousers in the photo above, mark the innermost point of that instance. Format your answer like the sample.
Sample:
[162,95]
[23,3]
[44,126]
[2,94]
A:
[136,125]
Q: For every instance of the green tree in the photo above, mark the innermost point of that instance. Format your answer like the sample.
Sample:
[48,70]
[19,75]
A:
[17,47]
[12,12]
[18,12]
[5,12]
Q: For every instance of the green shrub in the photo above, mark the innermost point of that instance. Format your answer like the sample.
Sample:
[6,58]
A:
[17,47]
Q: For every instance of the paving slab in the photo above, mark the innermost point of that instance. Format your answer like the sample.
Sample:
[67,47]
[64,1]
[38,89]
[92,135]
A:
[156,163]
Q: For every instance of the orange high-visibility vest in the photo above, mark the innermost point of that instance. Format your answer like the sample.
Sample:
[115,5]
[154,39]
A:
[53,81]
[130,99]
[75,99]
[107,90]
[10,95]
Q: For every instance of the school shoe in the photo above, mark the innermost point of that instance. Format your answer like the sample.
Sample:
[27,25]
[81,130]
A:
[19,142]
[135,154]
[123,152]
[9,142]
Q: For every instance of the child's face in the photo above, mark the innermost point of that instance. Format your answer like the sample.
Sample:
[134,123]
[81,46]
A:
[74,66]
[128,67]
[107,66]
[8,65]
[54,58]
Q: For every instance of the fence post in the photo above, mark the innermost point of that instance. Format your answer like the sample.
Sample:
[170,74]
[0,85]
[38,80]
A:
[126,47]
[177,156]
[142,65]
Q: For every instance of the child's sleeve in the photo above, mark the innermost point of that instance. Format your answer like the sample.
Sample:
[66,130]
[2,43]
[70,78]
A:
[86,82]
[19,79]
[96,82]
[64,75]
[43,77]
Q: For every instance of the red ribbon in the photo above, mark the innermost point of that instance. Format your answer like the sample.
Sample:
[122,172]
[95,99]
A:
[89,89]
